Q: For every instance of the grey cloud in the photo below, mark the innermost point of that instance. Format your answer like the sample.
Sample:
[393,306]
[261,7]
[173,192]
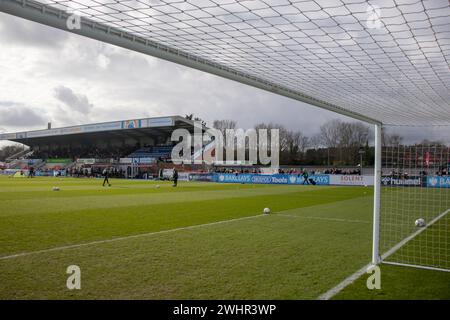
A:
[15,114]
[76,102]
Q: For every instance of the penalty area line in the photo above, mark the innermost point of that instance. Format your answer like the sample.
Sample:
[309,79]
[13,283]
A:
[142,235]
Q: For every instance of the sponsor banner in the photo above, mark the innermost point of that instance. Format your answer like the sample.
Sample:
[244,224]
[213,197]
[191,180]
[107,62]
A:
[9,171]
[438,182]
[183,176]
[131,124]
[32,162]
[125,160]
[102,126]
[52,132]
[86,161]
[351,180]
[208,177]
[405,182]
[146,160]
[62,160]
[116,125]
[7,136]
[21,135]
[159,122]
[137,161]
[269,179]
[72,130]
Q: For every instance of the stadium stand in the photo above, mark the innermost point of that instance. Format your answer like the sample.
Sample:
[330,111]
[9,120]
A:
[152,152]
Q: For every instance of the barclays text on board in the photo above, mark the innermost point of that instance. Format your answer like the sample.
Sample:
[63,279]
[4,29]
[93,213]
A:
[438,182]
[269,179]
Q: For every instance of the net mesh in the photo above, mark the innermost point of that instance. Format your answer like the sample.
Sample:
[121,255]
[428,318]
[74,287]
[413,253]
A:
[385,59]
[416,185]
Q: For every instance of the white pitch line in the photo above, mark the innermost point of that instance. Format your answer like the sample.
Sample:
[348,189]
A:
[347,281]
[74,246]
[322,218]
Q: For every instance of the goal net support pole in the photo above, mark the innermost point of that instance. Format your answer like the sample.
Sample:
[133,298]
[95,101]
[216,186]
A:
[377,197]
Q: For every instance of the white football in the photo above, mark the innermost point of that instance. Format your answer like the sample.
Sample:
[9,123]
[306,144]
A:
[420,222]
[266,210]
[55,188]
[157,186]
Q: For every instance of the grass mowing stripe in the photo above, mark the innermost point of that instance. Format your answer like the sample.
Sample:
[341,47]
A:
[45,230]
[322,218]
[24,254]
[59,204]
[278,214]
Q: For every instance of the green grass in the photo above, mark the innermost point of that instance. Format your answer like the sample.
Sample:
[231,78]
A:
[401,283]
[400,208]
[315,237]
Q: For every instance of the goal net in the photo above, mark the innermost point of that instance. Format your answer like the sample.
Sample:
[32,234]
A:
[415,202]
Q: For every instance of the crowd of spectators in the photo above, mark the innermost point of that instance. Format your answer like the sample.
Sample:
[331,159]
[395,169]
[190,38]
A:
[342,171]
[87,152]
[238,170]
[94,172]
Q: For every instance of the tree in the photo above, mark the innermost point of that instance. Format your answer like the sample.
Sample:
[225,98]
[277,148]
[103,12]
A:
[223,125]
[390,140]
[10,150]
[344,138]
[329,133]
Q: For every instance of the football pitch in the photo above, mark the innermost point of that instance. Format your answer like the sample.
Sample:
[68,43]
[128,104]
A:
[149,240]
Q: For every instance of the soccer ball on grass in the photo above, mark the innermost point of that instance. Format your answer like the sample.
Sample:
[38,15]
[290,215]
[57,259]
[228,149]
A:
[420,222]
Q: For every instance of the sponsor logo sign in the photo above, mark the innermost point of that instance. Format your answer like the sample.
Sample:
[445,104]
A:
[438,182]
[200,177]
[61,160]
[269,179]
[137,161]
[131,124]
[160,122]
[86,161]
[412,181]
[351,180]
[7,136]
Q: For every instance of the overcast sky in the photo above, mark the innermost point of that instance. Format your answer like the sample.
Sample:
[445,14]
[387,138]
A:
[48,75]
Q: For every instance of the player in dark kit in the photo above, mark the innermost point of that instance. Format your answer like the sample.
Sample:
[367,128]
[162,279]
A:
[175,177]
[305,176]
[106,175]
[31,172]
